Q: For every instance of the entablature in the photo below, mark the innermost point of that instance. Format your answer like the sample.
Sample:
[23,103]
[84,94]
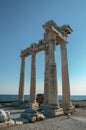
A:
[52,31]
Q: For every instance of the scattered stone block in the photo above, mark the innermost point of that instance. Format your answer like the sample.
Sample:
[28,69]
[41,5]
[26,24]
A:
[32,119]
[40,116]
[32,115]
[8,114]
[20,121]
[7,123]
[26,115]
[3,116]
[30,110]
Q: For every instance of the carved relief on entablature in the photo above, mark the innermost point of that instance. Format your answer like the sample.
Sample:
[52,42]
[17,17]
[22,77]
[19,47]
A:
[52,33]
[40,42]
[62,31]
[26,52]
[33,45]
[66,29]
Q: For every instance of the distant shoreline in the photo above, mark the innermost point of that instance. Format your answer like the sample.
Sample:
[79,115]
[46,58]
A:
[26,101]
[14,98]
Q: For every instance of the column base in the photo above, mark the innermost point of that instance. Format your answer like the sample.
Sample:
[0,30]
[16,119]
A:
[68,107]
[21,101]
[53,106]
[51,111]
[34,105]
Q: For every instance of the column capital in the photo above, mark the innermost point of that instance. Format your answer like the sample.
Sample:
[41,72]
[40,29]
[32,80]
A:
[23,57]
[33,53]
[50,36]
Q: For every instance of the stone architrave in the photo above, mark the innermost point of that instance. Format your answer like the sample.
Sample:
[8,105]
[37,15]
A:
[46,77]
[22,80]
[33,79]
[65,78]
[53,92]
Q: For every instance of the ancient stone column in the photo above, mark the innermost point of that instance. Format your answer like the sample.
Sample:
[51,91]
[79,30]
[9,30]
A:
[46,76]
[22,80]
[65,78]
[53,92]
[33,79]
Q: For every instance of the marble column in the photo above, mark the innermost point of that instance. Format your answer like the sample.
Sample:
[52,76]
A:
[65,78]
[46,75]
[22,80]
[33,79]
[53,92]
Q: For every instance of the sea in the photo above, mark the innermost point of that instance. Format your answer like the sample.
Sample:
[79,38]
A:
[8,98]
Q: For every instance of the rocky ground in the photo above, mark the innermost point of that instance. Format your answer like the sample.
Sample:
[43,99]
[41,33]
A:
[77,121]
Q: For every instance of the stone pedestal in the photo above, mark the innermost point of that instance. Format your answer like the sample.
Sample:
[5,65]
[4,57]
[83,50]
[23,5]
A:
[65,79]
[33,79]
[51,111]
[22,80]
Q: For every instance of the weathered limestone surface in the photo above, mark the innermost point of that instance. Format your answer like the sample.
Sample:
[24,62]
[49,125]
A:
[22,80]
[46,78]
[32,115]
[52,74]
[65,77]
[33,79]
[61,37]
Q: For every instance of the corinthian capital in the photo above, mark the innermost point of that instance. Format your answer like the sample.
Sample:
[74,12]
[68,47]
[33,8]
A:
[23,57]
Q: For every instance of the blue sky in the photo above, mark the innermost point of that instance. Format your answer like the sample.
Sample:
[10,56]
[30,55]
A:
[21,24]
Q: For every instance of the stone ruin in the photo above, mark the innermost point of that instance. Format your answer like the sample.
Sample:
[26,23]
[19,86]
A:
[53,36]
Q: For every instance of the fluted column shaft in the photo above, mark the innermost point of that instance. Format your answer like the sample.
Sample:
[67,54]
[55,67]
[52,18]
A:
[33,79]
[46,77]
[53,92]
[65,77]
[22,80]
